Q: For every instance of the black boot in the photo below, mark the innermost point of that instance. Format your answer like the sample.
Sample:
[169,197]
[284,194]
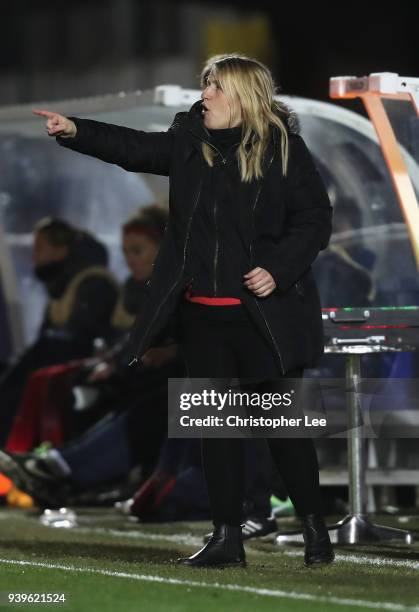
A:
[318,548]
[224,549]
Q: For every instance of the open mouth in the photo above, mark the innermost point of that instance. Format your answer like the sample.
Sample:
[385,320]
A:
[204,109]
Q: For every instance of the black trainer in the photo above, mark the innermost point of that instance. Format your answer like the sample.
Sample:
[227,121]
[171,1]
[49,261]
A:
[224,549]
[254,527]
[318,548]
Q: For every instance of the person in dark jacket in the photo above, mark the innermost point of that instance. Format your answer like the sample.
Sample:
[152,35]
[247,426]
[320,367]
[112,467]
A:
[249,213]
[82,294]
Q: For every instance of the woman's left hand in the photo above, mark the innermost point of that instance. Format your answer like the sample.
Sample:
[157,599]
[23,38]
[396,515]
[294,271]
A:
[259,281]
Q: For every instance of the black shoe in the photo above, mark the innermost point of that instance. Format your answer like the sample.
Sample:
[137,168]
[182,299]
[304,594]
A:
[33,475]
[318,548]
[224,549]
[254,528]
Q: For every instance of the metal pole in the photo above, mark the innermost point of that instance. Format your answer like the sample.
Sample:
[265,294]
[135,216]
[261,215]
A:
[356,446]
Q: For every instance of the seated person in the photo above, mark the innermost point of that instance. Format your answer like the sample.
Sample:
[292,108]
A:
[81,300]
[141,236]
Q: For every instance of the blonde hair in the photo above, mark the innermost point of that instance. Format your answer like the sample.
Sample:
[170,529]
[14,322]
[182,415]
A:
[249,88]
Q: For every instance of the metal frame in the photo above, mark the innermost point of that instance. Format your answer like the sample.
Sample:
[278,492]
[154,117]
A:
[355,528]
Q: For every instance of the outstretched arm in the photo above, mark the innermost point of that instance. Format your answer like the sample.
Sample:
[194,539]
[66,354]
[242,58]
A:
[133,150]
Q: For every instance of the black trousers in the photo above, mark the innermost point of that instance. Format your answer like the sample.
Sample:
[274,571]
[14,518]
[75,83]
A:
[223,341]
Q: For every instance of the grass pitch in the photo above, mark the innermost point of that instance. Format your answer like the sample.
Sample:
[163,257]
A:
[110,563]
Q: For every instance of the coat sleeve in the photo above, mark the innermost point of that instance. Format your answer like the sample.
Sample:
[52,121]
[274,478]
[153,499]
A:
[308,223]
[133,150]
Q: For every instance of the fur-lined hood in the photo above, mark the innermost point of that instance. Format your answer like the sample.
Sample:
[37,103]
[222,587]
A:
[292,119]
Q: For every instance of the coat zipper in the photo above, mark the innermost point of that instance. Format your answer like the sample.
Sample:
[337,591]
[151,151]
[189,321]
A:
[135,359]
[224,162]
[251,264]
[223,159]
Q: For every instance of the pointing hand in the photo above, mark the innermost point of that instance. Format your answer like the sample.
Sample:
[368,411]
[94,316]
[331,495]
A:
[57,125]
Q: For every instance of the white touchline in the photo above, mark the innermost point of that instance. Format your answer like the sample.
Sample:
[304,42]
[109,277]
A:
[380,605]
[361,559]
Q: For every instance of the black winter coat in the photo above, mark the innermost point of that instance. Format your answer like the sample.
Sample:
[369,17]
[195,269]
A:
[286,221]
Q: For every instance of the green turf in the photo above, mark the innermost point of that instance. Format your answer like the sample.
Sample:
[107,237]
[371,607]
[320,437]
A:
[106,541]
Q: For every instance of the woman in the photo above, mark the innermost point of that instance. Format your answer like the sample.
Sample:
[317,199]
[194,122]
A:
[141,237]
[248,215]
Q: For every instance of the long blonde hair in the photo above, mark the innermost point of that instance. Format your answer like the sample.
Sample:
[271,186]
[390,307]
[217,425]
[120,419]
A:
[249,88]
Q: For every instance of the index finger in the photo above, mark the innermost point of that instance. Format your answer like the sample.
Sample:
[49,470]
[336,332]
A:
[43,113]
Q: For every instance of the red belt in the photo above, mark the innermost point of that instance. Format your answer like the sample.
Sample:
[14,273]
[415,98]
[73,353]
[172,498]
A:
[211,301]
